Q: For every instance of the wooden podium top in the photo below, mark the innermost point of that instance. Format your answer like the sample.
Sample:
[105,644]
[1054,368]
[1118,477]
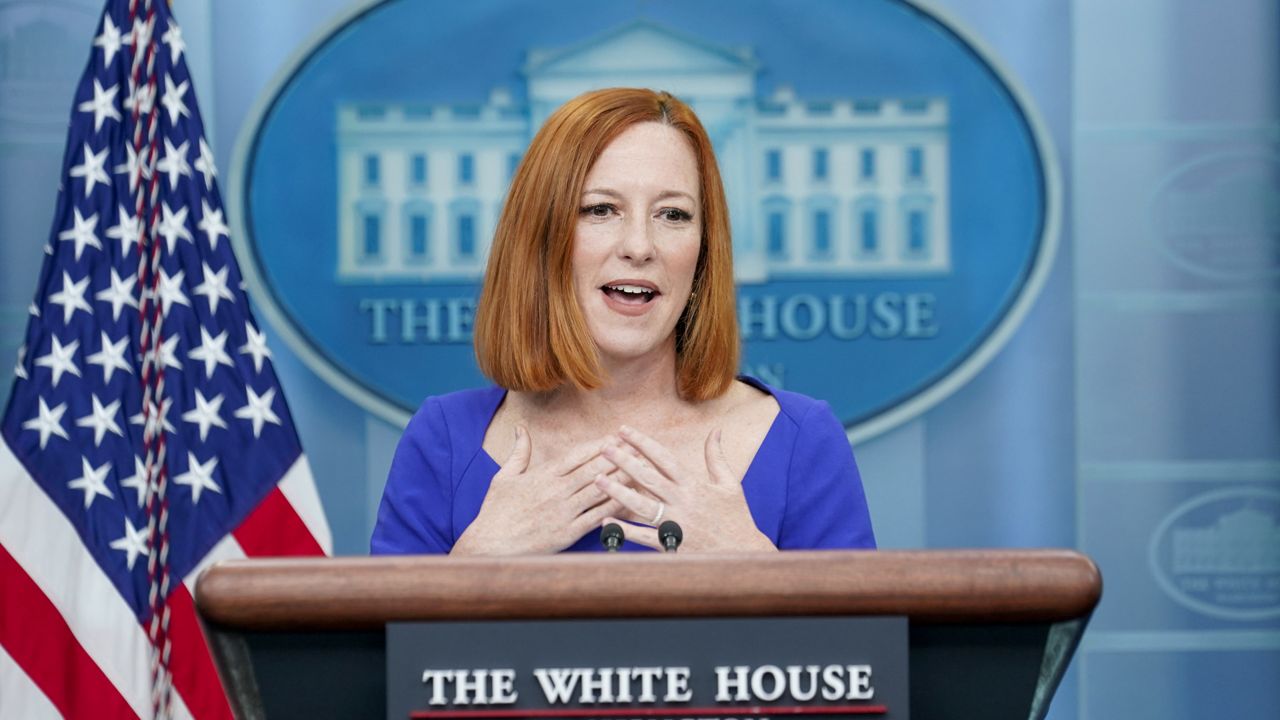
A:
[932,586]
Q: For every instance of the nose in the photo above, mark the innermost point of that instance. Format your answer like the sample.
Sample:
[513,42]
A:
[636,244]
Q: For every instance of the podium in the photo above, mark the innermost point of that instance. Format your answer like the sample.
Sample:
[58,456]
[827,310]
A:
[990,631]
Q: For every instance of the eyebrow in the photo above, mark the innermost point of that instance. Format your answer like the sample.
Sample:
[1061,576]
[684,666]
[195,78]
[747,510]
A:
[664,195]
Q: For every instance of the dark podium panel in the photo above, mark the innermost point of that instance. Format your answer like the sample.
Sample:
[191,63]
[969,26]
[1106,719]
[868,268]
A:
[990,631]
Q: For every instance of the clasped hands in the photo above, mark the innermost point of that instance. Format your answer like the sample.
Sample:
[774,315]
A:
[626,476]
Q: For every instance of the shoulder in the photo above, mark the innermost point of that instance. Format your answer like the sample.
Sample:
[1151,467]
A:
[462,413]
[416,514]
[824,506]
[450,428]
[441,439]
[748,397]
[796,409]
[469,401]
[805,429]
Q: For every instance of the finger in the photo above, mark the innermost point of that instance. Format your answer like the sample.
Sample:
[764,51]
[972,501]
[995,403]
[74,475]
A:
[641,506]
[518,461]
[586,497]
[717,463]
[594,517]
[589,494]
[654,451]
[626,513]
[639,470]
[631,517]
[578,455]
[639,534]
[587,472]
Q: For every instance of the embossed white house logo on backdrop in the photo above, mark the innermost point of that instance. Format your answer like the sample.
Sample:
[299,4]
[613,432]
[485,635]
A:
[1219,554]
[830,187]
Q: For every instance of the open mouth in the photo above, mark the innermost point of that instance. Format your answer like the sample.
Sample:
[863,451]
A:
[629,294]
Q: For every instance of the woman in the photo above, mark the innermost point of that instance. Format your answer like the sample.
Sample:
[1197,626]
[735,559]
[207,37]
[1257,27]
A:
[607,321]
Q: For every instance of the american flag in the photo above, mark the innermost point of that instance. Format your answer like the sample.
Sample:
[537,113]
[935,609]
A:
[146,435]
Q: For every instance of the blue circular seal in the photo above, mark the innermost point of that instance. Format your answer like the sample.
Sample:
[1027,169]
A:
[894,200]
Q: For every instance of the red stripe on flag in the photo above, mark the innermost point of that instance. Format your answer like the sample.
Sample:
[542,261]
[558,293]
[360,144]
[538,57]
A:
[194,675]
[275,529]
[34,634]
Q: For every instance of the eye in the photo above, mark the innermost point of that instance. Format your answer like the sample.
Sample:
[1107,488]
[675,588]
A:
[599,210]
[675,215]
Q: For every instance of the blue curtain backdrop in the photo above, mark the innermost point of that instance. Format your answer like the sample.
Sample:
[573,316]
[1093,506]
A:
[1134,414]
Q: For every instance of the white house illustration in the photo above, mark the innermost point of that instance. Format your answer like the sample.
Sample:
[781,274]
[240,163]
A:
[830,188]
[1244,541]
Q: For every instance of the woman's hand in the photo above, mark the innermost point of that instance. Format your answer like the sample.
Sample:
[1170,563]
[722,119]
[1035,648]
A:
[543,509]
[710,508]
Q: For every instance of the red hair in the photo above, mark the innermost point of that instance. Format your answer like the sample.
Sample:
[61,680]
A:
[530,334]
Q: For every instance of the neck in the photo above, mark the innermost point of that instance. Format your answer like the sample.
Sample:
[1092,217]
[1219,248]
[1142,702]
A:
[638,391]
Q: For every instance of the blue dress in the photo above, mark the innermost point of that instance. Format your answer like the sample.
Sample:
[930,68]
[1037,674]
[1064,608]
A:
[802,487]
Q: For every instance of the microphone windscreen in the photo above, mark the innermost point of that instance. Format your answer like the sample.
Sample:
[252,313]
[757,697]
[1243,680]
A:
[611,535]
[670,529]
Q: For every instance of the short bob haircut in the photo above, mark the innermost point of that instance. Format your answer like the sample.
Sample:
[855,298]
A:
[530,334]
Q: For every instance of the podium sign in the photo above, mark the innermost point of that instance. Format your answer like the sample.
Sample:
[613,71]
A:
[990,632]
[661,669]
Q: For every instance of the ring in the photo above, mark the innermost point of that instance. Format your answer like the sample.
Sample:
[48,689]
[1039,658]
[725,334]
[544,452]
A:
[657,518]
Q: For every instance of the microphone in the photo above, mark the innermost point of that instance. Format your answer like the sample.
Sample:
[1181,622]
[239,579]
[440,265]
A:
[671,535]
[611,537]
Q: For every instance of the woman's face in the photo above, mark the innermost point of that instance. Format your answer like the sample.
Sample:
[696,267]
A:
[638,235]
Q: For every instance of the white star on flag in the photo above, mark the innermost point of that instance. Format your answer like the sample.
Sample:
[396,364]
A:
[101,420]
[211,224]
[138,481]
[119,294]
[93,481]
[174,163]
[211,351]
[205,166]
[20,370]
[143,96]
[127,230]
[173,38]
[71,297]
[258,410]
[199,476]
[173,225]
[92,169]
[130,166]
[111,356]
[172,99]
[169,353]
[214,287]
[160,415]
[256,345]
[170,291]
[59,360]
[140,35]
[206,414]
[109,40]
[103,105]
[47,422]
[82,232]
[134,543]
